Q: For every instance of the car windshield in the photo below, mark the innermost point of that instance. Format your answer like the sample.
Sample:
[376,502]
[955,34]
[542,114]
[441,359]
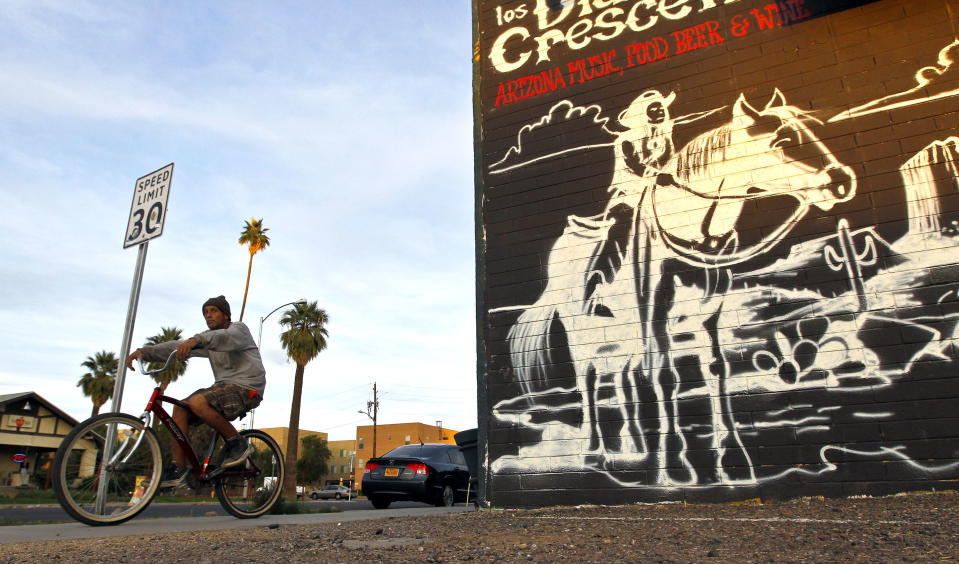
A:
[416,451]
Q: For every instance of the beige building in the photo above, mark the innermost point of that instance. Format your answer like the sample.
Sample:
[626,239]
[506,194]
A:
[32,427]
[279,434]
[340,459]
[341,463]
[393,435]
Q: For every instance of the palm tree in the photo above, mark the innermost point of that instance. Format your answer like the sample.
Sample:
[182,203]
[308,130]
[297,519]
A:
[176,368]
[303,341]
[97,384]
[255,238]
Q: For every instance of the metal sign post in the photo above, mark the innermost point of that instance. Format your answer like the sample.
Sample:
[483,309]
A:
[128,327]
[147,216]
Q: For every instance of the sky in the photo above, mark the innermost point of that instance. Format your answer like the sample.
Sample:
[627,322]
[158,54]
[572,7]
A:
[345,126]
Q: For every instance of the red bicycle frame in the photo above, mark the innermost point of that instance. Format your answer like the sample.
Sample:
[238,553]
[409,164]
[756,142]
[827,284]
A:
[155,406]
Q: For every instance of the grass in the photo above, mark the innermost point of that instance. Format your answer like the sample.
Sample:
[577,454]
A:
[29,497]
[284,507]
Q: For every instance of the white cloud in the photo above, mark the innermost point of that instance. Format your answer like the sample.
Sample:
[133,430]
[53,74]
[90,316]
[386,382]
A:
[348,133]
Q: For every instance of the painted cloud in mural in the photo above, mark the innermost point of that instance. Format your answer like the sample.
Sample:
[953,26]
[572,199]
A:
[932,83]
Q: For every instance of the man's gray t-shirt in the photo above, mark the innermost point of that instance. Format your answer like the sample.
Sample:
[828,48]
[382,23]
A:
[233,355]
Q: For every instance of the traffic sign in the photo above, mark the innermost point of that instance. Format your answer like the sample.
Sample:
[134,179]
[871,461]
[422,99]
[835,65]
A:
[148,210]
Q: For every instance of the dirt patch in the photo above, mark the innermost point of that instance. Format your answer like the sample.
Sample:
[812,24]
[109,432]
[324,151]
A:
[900,528]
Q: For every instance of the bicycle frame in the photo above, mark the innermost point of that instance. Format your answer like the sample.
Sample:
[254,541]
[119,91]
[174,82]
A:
[154,407]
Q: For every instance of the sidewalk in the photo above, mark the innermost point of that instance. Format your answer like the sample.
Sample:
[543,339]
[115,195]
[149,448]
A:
[67,531]
[917,527]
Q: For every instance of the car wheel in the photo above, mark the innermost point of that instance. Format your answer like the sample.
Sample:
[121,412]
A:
[339,495]
[380,502]
[447,498]
[314,497]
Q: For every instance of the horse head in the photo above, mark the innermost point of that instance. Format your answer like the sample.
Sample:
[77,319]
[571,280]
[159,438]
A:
[760,154]
[795,161]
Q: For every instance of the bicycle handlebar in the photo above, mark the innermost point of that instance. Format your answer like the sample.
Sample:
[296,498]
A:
[161,369]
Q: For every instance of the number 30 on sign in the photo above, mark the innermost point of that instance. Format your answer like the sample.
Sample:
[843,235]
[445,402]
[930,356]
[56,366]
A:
[148,210]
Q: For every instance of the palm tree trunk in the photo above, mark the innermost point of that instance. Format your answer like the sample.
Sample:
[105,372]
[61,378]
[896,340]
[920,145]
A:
[249,269]
[292,438]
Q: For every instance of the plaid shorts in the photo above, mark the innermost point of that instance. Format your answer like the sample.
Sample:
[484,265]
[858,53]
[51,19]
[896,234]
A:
[230,400]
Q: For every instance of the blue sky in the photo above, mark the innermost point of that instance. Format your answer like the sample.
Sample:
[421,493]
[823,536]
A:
[345,126]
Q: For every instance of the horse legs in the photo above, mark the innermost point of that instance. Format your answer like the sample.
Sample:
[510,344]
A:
[673,446]
[733,463]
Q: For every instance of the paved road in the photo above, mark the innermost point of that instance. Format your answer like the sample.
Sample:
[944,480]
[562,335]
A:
[20,514]
[144,526]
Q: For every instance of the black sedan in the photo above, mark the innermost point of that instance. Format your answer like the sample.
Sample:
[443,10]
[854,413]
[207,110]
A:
[431,473]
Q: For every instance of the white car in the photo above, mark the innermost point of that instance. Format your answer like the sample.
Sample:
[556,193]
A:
[331,492]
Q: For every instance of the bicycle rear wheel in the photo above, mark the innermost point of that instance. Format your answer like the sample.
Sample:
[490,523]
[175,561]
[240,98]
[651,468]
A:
[253,488]
[107,491]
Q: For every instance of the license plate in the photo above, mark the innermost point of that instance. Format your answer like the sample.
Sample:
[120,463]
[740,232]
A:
[392,472]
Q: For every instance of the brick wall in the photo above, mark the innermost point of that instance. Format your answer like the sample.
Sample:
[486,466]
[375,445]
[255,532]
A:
[717,247]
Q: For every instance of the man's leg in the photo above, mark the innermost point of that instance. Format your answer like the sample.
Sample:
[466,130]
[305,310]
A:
[182,419]
[210,416]
[229,399]
[174,477]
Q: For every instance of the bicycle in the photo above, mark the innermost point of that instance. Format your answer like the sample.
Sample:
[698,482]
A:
[108,468]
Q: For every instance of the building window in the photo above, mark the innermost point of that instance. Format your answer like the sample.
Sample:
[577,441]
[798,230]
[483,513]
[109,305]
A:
[361,442]
[359,463]
[342,453]
[407,440]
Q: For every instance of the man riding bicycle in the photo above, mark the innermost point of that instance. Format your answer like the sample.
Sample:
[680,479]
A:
[239,381]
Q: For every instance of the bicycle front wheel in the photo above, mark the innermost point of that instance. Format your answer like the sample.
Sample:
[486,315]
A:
[253,488]
[107,469]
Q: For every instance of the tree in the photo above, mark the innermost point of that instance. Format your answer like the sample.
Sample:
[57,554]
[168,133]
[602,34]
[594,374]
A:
[255,238]
[176,368]
[303,341]
[314,462]
[97,384]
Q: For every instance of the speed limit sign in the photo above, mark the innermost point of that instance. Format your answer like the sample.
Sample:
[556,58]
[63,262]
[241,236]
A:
[148,210]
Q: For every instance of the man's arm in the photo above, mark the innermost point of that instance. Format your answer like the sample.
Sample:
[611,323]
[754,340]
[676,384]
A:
[135,354]
[183,350]
[160,351]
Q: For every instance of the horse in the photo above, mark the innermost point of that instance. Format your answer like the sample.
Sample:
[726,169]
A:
[618,294]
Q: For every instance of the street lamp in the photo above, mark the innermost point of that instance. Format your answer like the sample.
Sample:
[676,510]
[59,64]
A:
[260,337]
[262,319]
[371,408]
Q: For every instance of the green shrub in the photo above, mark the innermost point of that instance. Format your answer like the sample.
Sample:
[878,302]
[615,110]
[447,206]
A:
[30,496]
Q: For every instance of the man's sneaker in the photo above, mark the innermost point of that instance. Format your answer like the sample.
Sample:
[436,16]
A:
[173,477]
[234,452]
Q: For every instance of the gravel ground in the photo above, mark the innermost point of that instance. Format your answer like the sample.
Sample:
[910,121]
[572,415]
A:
[904,528]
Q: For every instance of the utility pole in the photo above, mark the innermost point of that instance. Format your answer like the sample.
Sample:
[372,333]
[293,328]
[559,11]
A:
[375,406]
[371,408]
